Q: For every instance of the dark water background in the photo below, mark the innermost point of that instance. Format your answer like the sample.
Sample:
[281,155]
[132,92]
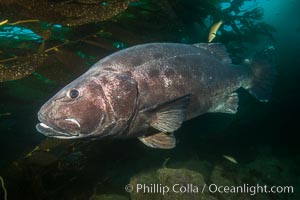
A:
[262,137]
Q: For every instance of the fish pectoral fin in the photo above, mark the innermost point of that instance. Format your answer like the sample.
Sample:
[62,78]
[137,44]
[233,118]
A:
[160,140]
[168,116]
[229,105]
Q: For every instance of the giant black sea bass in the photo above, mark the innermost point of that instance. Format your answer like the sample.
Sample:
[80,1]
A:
[147,91]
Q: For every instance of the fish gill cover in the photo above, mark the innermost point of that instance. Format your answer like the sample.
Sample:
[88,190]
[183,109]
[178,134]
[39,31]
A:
[45,44]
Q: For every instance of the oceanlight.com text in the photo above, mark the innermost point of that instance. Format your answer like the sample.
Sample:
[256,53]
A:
[211,188]
[251,189]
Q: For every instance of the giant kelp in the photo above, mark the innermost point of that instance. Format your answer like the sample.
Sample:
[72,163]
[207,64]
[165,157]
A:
[242,26]
[20,67]
[40,38]
[28,16]
[245,21]
[70,13]
[34,35]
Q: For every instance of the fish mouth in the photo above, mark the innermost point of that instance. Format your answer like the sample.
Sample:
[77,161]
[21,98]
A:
[51,132]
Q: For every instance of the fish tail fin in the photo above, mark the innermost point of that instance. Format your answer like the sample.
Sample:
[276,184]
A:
[264,72]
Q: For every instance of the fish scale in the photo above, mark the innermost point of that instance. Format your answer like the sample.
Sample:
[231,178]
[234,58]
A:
[147,91]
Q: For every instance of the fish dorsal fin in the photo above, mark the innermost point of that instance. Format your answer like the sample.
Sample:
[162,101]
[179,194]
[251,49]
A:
[160,140]
[216,49]
[168,116]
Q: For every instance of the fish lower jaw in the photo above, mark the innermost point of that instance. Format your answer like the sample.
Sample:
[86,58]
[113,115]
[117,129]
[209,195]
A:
[51,132]
[44,125]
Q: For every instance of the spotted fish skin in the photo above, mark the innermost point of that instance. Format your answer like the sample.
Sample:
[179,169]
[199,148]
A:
[147,91]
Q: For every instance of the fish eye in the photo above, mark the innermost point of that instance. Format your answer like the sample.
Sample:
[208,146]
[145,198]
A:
[73,94]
